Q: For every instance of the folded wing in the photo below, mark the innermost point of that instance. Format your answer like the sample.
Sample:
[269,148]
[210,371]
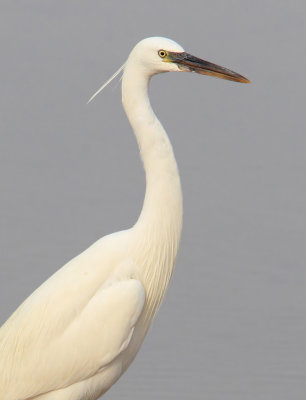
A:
[96,335]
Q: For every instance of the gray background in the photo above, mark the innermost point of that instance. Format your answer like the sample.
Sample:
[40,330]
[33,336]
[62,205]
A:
[233,325]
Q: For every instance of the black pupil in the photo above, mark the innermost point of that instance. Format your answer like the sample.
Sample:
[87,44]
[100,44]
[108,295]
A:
[162,53]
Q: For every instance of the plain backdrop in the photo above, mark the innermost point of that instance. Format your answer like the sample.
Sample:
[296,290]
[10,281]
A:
[233,325]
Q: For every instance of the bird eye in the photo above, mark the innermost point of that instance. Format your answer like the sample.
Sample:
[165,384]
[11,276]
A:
[162,53]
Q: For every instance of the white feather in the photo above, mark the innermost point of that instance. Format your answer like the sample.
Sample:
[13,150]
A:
[106,83]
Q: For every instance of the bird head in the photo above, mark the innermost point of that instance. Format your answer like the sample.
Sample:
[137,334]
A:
[155,55]
[158,54]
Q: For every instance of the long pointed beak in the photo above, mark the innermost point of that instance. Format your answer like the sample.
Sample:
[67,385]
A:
[190,63]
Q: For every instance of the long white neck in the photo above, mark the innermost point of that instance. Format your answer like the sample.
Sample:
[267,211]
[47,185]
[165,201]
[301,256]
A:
[163,199]
[159,224]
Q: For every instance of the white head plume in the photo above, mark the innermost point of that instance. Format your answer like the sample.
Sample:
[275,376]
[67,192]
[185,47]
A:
[106,83]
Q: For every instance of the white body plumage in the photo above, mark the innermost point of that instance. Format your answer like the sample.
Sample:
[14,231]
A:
[80,330]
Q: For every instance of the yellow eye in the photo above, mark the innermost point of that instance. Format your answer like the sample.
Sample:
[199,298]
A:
[162,53]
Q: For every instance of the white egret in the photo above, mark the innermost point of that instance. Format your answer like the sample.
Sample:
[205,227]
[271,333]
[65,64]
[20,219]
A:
[80,330]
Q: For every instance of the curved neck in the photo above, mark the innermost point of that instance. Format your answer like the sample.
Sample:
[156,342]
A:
[163,199]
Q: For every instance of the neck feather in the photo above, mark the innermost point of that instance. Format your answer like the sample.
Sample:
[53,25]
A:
[159,225]
[162,205]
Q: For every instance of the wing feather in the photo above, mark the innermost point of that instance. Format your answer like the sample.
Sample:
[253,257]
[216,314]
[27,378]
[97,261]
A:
[48,355]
